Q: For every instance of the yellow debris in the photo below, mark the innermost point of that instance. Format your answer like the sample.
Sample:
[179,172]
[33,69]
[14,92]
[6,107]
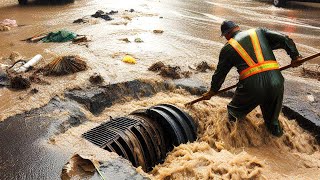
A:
[129,59]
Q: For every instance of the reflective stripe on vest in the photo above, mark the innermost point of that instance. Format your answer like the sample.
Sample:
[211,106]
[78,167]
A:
[254,68]
[258,68]
[256,45]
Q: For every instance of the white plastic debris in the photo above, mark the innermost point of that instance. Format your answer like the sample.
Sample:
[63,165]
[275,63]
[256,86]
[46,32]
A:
[30,63]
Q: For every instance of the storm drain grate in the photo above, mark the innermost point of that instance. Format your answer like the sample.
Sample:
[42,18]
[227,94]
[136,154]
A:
[146,135]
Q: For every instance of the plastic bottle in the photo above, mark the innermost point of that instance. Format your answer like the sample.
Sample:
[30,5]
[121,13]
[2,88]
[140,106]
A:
[30,63]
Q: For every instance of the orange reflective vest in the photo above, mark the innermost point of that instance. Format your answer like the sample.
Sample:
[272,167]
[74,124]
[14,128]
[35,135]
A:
[254,68]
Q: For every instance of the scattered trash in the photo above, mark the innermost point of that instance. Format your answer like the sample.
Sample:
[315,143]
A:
[81,39]
[138,40]
[96,79]
[59,36]
[158,31]
[156,66]
[112,12]
[131,10]
[125,40]
[173,72]
[203,66]
[186,74]
[29,64]
[129,59]
[9,23]
[80,20]
[64,65]
[36,38]
[103,15]
[19,82]
[99,14]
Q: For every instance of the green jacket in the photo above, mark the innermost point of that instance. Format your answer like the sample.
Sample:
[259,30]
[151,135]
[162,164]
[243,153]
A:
[269,40]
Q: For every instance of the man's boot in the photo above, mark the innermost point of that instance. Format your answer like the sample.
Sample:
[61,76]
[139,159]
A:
[275,129]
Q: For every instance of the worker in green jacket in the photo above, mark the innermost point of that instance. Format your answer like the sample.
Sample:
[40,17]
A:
[260,80]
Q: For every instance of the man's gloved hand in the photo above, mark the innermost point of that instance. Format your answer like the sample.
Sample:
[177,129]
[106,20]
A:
[208,95]
[295,62]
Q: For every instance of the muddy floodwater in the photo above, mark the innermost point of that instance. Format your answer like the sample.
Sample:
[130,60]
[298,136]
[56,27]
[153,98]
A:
[191,34]
[244,150]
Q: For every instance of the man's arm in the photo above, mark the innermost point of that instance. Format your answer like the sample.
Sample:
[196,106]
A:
[278,40]
[223,68]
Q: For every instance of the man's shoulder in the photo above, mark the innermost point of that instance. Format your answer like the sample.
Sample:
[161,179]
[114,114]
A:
[226,48]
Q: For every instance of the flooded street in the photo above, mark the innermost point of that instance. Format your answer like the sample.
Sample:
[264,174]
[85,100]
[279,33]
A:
[191,34]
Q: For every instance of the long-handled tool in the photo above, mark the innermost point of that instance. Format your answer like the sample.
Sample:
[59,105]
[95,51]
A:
[231,87]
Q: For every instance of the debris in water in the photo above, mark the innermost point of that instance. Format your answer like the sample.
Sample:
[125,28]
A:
[19,82]
[59,36]
[131,10]
[125,40]
[112,12]
[129,59]
[36,38]
[103,15]
[81,39]
[138,40]
[186,74]
[64,65]
[203,66]
[96,78]
[173,72]
[156,66]
[158,31]
[7,24]
[80,20]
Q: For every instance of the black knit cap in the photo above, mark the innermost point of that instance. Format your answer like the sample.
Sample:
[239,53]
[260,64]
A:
[227,26]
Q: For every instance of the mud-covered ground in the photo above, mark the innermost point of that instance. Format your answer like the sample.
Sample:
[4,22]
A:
[191,34]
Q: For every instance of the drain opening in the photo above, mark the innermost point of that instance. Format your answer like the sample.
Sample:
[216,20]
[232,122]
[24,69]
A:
[145,136]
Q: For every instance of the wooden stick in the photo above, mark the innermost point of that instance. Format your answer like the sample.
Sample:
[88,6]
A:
[231,87]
